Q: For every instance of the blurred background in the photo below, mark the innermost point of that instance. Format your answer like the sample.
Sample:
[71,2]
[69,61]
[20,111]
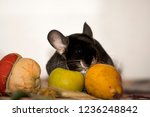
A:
[121,26]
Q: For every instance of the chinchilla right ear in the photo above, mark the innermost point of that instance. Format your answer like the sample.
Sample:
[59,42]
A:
[58,41]
[87,30]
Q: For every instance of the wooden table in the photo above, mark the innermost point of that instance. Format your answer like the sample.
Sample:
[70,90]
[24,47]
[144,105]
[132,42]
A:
[133,90]
[137,89]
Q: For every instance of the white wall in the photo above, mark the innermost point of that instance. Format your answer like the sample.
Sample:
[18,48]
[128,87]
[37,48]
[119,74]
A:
[121,26]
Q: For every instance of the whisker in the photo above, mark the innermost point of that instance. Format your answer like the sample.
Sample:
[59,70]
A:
[65,63]
[73,61]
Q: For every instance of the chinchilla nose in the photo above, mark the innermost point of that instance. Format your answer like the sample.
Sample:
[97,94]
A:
[86,64]
[83,64]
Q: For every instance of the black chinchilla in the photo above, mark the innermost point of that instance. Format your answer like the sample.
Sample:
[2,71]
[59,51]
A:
[77,51]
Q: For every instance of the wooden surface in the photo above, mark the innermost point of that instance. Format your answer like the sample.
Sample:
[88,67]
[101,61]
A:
[133,90]
[137,89]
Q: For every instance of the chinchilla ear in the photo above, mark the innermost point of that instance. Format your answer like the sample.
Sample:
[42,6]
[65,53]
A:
[58,41]
[87,30]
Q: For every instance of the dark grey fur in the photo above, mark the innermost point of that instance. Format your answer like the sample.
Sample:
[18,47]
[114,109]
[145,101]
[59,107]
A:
[77,51]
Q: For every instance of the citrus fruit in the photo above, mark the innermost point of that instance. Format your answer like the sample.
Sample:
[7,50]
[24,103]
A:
[66,79]
[103,81]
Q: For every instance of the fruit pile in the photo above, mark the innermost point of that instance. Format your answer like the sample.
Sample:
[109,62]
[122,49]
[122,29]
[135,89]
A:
[101,81]
[23,74]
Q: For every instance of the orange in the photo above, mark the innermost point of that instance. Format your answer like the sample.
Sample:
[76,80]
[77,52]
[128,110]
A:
[103,81]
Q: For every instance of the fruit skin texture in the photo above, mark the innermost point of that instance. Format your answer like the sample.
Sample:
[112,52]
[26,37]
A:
[6,65]
[66,79]
[17,73]
[25,76]
[103,81]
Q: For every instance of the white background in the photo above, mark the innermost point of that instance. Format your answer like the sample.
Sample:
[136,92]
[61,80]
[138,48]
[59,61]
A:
[121,26]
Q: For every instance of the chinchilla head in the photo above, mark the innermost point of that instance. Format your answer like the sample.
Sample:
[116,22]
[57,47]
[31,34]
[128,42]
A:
[77,51]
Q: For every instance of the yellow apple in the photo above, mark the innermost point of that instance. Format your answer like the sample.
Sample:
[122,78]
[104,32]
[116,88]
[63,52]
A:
[66,79]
